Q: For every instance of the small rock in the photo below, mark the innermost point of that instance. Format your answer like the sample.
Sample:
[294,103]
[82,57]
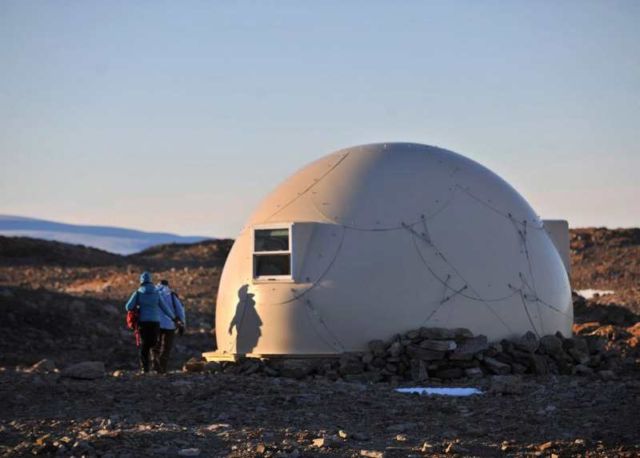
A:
[528,342]
[439,345]
[326,442]
[372,453]
[455,448]
[437,333]
[401,438]
[107,433]
[496,366]
[44,365]
[426,447]
[377,347]
[343,434]
[418,370]
[634,330]
[552,345]
[395,349]
[473,372]
[546,446]
[189,452]
[194,365]
[579,356]
[462,333]
[367,358]
[469,347]
[412,335]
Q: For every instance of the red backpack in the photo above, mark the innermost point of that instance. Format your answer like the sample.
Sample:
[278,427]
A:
[132,323]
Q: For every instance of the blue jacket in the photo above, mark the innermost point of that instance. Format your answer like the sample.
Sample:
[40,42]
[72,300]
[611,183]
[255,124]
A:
[173,303]
[152,307]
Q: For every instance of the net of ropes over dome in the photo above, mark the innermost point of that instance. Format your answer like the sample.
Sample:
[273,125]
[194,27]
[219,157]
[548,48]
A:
[375,240]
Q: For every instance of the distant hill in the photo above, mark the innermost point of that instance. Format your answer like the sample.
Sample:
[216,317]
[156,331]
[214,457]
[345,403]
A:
[25,251]
[208,253]
[16,251]
[112,239]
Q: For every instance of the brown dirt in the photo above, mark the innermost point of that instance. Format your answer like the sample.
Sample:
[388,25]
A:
[65,303]
[607,259]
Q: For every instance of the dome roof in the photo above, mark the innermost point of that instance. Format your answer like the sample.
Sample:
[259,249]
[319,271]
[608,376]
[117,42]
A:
[390,237]
[381,186]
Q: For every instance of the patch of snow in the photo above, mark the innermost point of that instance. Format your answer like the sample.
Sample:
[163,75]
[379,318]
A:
[444,391]
[590,293]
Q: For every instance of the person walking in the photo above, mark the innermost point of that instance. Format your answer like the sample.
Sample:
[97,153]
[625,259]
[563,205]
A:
[162,349]
[151,307]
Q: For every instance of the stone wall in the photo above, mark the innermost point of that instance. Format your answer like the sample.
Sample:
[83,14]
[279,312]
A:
[440,354]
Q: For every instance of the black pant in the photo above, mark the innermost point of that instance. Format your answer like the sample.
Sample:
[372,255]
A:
[149,336]
[162,350]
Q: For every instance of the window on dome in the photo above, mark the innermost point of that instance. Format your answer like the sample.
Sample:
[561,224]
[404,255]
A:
[272,253]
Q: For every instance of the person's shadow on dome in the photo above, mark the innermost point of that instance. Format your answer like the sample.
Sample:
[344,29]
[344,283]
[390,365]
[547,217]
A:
[246,321]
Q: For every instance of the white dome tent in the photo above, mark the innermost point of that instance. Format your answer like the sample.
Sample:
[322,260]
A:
[376,240]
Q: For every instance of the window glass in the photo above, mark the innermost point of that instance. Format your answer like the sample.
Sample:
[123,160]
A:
[272,239]
[272,264]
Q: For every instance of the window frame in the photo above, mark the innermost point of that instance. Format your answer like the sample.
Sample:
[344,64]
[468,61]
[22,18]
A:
[255,254]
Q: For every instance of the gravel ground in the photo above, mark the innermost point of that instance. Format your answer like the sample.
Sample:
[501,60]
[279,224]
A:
[65,303]
[227,415]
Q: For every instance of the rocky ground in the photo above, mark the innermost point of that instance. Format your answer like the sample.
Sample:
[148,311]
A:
[228,415]
[608,260]
[64,303]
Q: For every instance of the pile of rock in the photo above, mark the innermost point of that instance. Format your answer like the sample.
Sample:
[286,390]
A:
[443,354]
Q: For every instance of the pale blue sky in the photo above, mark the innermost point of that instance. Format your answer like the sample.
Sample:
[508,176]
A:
[180,116]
